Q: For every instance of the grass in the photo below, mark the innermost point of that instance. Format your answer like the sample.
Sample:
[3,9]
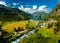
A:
[9,26]
[43,31]
[33,23]
[47,36]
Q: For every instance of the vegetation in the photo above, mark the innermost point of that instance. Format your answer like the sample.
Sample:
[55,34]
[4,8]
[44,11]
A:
[31,24]
[8,28]
[18,21]
[43,35]
[12,14]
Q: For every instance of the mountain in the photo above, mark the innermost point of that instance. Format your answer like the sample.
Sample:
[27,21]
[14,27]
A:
[7,13]
[39,15]
[55,13]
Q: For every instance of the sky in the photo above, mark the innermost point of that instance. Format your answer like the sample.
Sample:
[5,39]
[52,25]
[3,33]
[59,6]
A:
[31,6]
[58,0]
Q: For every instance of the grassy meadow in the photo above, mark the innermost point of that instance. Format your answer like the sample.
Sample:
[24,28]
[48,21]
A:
[43,35]
[10,25]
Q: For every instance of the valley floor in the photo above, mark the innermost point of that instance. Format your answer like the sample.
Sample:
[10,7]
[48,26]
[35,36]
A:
[47,31]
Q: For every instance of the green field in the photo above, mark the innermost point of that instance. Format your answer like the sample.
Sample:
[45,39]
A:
[9,26]
[43,35]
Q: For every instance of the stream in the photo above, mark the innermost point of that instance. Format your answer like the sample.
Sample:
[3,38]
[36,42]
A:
[25,35]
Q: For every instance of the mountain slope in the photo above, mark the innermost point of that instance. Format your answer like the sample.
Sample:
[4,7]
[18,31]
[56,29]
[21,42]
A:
[7,13]
[55,13]
[39,15]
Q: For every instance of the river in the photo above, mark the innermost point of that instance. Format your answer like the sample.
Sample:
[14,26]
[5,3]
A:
[25,35]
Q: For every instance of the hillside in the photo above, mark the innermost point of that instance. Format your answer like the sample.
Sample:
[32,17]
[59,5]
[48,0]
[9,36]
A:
[39,15]
[7,13]
[55,13]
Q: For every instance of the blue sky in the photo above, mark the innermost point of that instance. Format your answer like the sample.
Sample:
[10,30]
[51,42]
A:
[31,4]
[58,0]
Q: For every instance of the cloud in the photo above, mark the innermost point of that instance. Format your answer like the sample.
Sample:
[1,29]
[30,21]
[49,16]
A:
[28,10]
[44,8]
[35,7]
[15,4]
[26,5]
[47,10]
[21,7]
[3,3]
[41,8]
